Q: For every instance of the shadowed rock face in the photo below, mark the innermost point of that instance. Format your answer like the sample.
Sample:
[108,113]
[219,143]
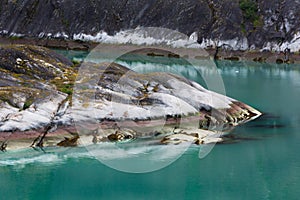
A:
[34,100]
[259,21]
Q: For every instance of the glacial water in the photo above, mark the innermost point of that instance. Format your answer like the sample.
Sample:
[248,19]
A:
[262,162]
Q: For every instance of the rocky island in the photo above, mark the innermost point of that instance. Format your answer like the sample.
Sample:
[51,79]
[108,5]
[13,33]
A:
[42,103]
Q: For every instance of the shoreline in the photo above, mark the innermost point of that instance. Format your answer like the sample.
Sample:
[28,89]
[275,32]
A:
[209,53]
[65,134]
[141,129]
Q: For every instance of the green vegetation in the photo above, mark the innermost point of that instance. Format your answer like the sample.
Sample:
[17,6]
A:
[76,62]
[5,96]
[30,65]
[27,104]
[250,9]
[67,88]
[258,22]
[65,22]
[14,37]
[250,14]
[243,28]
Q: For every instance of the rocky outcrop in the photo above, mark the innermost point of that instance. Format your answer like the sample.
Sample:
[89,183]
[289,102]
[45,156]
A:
[33,62]
[33,84]
[239,24]
[152,96]
[109,103]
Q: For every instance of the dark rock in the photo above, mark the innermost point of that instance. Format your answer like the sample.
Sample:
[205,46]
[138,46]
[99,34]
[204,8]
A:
[279,61]
[33,62]
[119,136]
[234,58]
[69,142]
[271,21]
[3,146]
[259,59]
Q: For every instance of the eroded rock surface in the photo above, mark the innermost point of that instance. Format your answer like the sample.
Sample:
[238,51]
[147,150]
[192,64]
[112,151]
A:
[244,24]
[109,103]
[31,88]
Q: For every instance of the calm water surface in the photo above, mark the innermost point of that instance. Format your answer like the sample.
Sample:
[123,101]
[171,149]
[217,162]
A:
[262,163]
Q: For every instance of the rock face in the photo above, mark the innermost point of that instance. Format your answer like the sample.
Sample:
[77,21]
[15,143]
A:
[33,62]
[242,23]
[30,80]
[109,102]
[122,94]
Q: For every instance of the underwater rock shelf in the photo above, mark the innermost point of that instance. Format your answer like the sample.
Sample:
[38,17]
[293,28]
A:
[43,104]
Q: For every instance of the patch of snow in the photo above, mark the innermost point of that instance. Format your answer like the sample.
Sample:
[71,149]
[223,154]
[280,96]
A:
[4,32]
[41,35]
[61,35]
[140,37]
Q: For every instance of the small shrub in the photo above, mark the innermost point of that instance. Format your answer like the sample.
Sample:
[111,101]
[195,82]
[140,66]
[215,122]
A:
[250,9]
[75,62]
[27,104]
[258,23]
[14,37]
[66,88]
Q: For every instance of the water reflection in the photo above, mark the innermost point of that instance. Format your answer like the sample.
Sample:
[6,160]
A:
[265,167]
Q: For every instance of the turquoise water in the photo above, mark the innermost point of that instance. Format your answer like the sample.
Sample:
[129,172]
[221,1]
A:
[263,161]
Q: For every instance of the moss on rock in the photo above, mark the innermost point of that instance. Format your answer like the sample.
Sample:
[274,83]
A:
[29,73]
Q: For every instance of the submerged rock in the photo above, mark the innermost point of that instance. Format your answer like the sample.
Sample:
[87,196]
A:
[193,136]
[69,142]
[121,135]
[3,146]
